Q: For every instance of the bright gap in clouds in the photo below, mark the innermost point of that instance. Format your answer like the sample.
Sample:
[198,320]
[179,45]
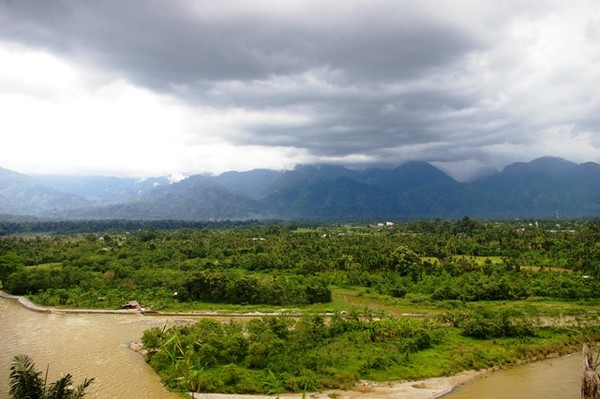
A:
[72,121]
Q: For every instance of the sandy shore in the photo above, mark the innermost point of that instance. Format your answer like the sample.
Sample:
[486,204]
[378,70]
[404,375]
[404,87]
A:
[423,389]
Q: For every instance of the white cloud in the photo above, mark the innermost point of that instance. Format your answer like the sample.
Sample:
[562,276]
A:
[55,122]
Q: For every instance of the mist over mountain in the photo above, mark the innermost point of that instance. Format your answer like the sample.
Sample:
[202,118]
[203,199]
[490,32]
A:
[102,190]
[542,188]
[24,195]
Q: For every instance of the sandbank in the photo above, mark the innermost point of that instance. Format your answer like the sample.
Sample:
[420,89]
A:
[431,388]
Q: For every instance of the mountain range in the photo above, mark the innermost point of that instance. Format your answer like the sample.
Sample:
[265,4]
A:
[541,188]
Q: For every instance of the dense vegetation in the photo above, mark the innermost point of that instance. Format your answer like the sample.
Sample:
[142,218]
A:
[465,260]
[486,282]
[273,355]
[23,224]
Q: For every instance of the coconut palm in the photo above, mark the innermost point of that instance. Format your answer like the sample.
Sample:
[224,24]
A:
[27,383]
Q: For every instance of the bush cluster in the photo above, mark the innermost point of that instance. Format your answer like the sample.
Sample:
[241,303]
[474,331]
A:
[281,353]
[227,287]
[485,323]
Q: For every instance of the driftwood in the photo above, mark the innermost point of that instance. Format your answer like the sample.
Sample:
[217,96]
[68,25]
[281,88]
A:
[590,381]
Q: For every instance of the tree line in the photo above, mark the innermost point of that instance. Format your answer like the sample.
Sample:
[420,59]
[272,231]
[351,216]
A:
[464,260]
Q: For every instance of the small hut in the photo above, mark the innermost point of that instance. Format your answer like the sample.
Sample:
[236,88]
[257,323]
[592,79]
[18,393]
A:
[131,305]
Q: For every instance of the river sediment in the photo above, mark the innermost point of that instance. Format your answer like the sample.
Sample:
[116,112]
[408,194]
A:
[431,388]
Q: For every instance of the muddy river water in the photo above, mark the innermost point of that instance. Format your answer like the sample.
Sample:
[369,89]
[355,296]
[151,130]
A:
[97,345]
[85,345]
[558,378]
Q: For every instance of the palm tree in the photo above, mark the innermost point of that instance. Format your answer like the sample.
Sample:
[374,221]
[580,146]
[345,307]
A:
[26,383]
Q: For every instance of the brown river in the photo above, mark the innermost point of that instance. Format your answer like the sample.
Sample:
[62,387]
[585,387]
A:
[97,345]
[85,345]
[558,378]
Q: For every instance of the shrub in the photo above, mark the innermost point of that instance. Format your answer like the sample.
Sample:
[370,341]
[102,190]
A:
[483,323]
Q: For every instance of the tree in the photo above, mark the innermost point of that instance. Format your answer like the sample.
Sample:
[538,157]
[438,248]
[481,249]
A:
[26,383]
[406,263]
[9,263]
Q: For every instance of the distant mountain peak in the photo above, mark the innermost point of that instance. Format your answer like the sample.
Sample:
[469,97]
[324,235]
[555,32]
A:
[415,189]
[554,167]
[550,160]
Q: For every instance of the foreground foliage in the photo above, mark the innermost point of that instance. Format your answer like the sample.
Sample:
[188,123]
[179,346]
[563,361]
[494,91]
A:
[26,383]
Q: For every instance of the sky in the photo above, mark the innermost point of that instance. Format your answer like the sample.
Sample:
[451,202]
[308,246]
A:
[146,88]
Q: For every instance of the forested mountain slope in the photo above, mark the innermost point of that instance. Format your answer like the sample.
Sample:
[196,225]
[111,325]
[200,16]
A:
[541,188]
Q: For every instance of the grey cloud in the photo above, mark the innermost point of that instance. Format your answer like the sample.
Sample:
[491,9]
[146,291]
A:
[383,79]
[166,43]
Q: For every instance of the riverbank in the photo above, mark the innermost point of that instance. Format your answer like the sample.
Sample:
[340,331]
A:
[419,389]
[29,305]
[431,388]
[96,346]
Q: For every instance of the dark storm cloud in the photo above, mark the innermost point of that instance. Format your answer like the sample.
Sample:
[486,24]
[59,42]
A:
[385,80]
[172,46]
[183,42]
[367,120]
